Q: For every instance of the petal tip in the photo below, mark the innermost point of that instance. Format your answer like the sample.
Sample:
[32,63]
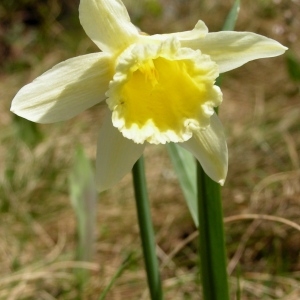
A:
[281,48]
[221,182]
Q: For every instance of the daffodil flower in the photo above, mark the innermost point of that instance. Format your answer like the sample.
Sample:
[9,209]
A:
[158,89]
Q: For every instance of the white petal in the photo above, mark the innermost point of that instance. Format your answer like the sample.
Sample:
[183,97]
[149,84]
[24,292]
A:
[65,90]
[107,23]
[230,49]
[116,155]
[210,148]
[199,31]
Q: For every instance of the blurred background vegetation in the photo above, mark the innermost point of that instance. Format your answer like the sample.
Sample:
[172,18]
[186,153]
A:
[38,226]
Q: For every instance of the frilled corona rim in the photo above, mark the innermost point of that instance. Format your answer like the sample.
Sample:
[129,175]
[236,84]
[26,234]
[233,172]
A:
[162,92]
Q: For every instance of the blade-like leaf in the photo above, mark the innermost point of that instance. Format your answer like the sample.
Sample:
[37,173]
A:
[232,16]
[83,198]
[229,25]
[118,273]
[293,67]
[27,131]
[185,168]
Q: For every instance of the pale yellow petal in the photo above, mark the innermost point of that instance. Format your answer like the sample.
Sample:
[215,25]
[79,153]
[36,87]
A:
[116,155]
[230,49]
[210,148]
[199,31]
[65,90]
[107,23]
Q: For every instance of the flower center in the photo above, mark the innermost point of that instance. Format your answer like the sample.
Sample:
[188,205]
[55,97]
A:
[163,95]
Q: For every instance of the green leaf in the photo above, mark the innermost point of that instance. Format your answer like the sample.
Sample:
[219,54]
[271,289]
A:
[232,16]
[27,131]
[293,66]
[185,168]
[83,198]
[229,25]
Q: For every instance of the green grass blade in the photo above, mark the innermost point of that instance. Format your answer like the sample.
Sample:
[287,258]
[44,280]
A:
[185,168]
[229,24]
[27,131]
[119,272]
[293,67]
[238,283]
[83,198]
[232,16]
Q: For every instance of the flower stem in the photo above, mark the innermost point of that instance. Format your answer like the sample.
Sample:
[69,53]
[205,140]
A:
[211,239]
[146,230]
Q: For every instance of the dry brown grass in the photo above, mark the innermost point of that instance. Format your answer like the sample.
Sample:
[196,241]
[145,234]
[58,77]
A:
[261,116]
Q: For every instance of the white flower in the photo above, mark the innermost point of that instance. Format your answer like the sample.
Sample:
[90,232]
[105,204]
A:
[159,88]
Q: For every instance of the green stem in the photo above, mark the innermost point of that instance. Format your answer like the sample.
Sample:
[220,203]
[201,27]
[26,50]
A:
[211,239]
[146,230]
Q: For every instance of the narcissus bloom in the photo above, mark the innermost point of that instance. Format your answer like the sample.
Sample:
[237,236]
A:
[158,89]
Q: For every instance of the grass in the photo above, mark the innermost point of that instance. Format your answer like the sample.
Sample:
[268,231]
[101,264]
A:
[261,116]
